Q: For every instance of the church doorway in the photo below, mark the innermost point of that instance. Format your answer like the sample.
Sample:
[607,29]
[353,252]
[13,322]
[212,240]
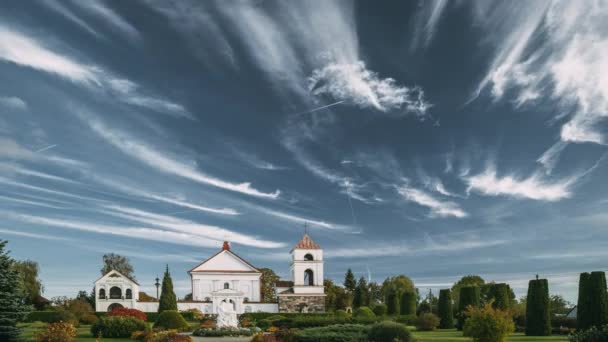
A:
[114,306]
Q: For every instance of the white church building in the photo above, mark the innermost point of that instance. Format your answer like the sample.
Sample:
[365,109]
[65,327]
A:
[227,278]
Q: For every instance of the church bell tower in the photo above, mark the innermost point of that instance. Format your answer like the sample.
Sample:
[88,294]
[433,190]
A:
[307,267]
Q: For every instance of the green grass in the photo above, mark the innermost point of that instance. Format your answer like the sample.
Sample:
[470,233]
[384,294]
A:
[83,333]
[452,335]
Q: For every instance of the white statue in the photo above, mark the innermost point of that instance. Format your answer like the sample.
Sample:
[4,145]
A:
[226,316]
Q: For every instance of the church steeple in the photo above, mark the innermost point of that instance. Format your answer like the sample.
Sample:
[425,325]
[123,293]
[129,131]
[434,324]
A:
[306,243]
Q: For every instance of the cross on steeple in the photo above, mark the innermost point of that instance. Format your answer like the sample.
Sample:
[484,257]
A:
[305,227]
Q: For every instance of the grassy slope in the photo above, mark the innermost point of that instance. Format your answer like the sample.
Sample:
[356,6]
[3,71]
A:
[452,335]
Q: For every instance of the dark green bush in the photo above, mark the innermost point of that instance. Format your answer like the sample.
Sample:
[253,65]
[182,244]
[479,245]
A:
[469,296]
[334,333]
[263,324]
[304,322]
[152,316]
[380,310]
[407,319]
[538,315]
[408,303]
[341,314]
[445,309]
[388,331]
[364,313]
[116,326]
[592,334]
[42,316]
[392,304]
[256,316]
[427,322]
[171,319]
[500,294]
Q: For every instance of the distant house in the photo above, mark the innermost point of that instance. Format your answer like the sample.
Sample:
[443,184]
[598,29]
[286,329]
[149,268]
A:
[572,313]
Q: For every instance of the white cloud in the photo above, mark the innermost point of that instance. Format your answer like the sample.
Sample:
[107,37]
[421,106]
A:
[568,63]
[60,8]
[99,9]
[20,49]
[551,156]
[534,187]
[439,208]
[354,83]
[13,102]
[167,164]
[32,235]
[10,149]
[298,219]
[426,22]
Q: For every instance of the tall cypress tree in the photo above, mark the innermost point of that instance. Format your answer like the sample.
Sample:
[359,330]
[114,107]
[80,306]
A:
[598,299]
[469,295]
[12,307]
[445,309]
[349,281]
[582,307]
[408,303]
[167,300]
[392,303]
[538,311]
[361,294]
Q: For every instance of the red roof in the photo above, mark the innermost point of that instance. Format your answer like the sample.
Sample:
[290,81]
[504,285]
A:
[307,243]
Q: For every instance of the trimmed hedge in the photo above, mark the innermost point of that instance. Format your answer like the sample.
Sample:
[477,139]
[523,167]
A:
[469,295]
[592,307]
[408,303]
[445,309]
[538,315]
[389,331]
[500,293]
[116,326]
[334,333]
[392,303]
[43,316]
[171,319]
[256,316]
[407,319]
[380,310]
[364,313]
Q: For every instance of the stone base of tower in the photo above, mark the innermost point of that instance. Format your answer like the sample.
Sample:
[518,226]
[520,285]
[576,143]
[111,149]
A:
[301,303]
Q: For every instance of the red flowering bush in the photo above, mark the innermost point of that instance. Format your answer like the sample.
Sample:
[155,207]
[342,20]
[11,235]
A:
[126,312]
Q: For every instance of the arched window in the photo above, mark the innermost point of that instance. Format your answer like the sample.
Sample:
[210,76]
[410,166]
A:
[115,293]
[102,293]
[309,278]
[226,286]
[114,307]
[308,257]
[129,294]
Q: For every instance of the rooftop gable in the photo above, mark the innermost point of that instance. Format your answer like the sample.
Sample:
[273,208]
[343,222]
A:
[225,261]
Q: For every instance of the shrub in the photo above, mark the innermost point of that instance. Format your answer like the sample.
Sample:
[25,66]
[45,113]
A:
[64,315]
[407,319]
[500,293]
[56,332]
[380,310]
[171,319]
[427,322]
[445,309]
[592,307]
[341,314]
[88,319]
[389,331]
[364,312]
[223,332]
[43,316]
[192,314]
[167,336]
[334,333]
[126,312]
[264,324]
[152,316]
[592,334]
[310,322]
[469,296]
[408,303]
[538,316]
[487,324]
[116,326]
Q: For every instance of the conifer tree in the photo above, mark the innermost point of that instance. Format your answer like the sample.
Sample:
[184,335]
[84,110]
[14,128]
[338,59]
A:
[349,281]
[469,295]
[445,309]
[408,303]
[361,295]
[168,300]
[538,313]
[12,307]
[597,297]
[500,294]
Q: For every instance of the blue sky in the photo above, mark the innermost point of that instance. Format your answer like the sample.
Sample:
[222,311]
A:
[432,139]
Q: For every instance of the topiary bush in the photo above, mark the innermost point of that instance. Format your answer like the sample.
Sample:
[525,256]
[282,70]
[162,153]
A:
[500,293]
[408,303]
[56,332]
[334,333]
[538,316]
[487,324]
[407,319]
[389,331]
[427,322]
[392,303]
[341,314]
[171,319]
[469,296]
[364,313]
[117,327]
[445,309]
[380,310]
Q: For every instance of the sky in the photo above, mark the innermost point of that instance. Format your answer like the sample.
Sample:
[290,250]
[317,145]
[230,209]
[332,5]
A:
[433,139]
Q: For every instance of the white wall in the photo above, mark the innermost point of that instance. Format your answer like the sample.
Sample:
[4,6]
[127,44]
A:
[203,284]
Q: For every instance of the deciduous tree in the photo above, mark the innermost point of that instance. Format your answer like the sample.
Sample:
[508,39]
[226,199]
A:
[118,263]
[268,282]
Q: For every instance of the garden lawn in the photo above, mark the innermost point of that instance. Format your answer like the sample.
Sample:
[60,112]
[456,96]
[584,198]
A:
[452,335]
